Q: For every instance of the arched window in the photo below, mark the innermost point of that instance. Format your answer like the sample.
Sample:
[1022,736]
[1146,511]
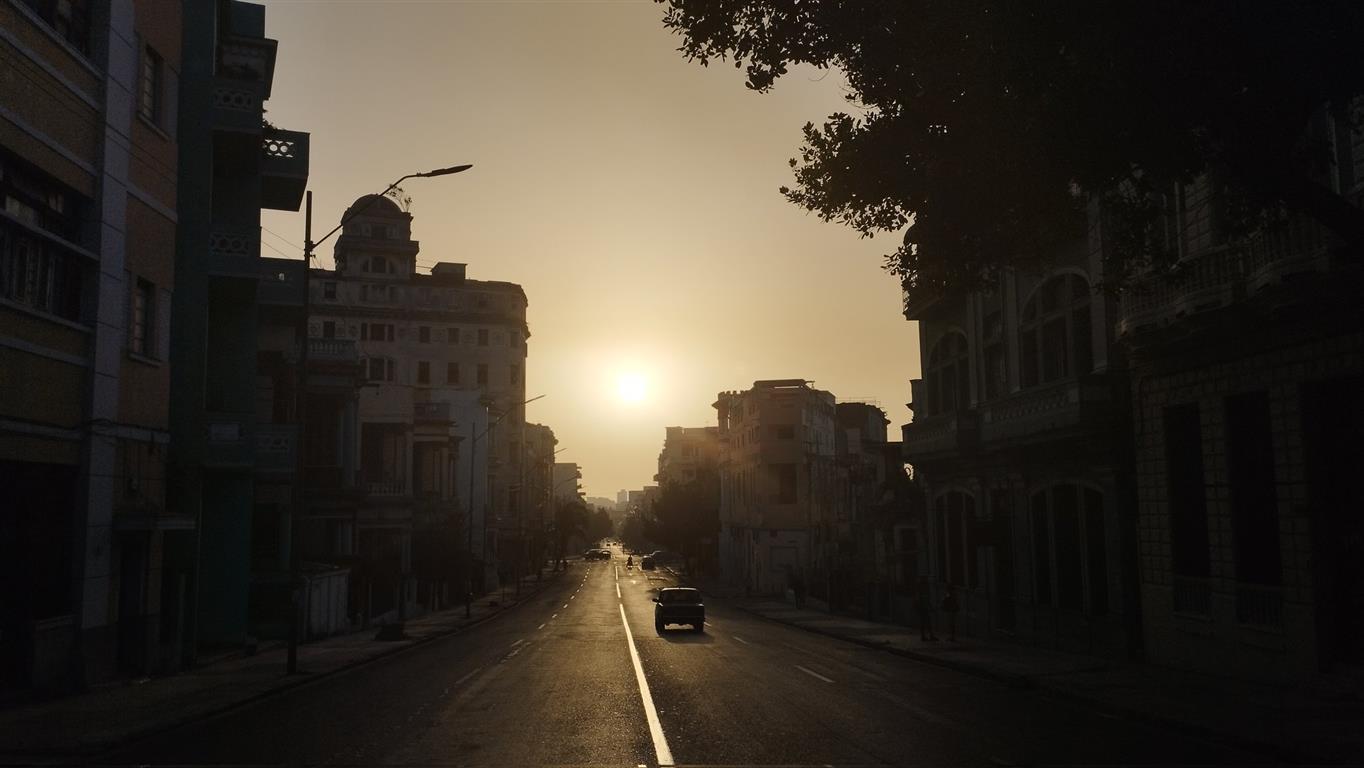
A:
[1054,332]
[954,513]
[948,375]
[1070,548]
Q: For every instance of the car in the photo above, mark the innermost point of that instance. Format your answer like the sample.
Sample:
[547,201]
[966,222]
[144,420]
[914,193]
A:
[597,554]
[663,557]
[679,605]
[646,563]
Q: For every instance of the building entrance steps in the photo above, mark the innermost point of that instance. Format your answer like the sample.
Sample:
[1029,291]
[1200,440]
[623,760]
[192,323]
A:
[1296,724]
[79,727]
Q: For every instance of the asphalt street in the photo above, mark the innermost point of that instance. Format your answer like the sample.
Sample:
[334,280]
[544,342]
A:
[578,676]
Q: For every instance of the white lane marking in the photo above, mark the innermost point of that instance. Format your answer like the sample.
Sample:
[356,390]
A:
[813,673]
[518,642]
[542,626]
[555,615]
[466,677]
[566,604]
[661,751]
[617,567]
[508,656]
[740,639]
[618,591]
[570,597]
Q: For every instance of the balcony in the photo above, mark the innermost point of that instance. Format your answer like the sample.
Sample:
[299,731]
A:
[229,440]
[431,413]
[1259,606]
[237,105]
[275,445]
[1191,596]
[233,251]
[917,303]
[284,169]
[941,435]
[386,487]
[333,351]
[1067,404]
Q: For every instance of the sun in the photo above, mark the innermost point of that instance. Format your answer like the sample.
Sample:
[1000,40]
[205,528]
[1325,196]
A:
[631,387]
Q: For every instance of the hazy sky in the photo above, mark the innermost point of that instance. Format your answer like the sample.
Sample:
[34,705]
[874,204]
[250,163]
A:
[631,193]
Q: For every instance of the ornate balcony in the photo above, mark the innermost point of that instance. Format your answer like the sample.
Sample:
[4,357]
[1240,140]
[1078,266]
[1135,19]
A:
[284,169]
[233,251]
[1065,404]
[333,351]
[941,435]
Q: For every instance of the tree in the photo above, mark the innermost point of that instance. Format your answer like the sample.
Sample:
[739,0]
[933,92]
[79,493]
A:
[685,515]
[632,531]
[599,525]
[988,126]
[570,519]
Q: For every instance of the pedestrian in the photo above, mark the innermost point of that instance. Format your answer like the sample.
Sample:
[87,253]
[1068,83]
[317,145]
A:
[924,602]
[950,606]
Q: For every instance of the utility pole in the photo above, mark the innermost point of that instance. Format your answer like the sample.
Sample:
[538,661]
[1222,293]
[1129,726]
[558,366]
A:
[300,497]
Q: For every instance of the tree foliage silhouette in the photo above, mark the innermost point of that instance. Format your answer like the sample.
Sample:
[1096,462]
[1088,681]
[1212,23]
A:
[989,126]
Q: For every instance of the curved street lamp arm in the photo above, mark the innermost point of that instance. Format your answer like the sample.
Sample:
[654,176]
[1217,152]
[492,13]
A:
[310,245]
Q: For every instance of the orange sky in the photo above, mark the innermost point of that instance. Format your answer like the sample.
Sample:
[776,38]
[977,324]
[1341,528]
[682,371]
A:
[632,194]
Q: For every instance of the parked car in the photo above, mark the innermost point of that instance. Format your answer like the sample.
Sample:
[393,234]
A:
[597,554]
[664,557]
[646,563]
[679,605]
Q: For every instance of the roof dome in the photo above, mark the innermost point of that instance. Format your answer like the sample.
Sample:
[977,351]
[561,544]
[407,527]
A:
[376,205]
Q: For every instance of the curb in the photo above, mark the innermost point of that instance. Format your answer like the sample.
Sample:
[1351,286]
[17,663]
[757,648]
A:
[1034,682]
[306,679]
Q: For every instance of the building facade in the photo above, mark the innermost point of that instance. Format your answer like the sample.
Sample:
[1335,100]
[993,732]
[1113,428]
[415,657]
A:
[89,203]
[232,164]
[1019,444]
[687,453]
[1248,395]
[440,418]
[777,484]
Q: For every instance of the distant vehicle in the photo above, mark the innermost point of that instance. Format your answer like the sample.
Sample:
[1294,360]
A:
[679,605]
[663,557]
[646,563]
[597,554]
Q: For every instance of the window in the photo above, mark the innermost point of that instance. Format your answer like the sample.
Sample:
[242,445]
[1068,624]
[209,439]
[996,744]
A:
[948,375]
[329,290]
[143,318]
[483,337]
[786,483]
[482,373]
[70,18]
[424,334]
[39,274]
[452,373]
[328,329]
[954,513]
[423,372]
[380,369]
[1070,548]
[1254,495]
[377,265]
[376,332]
[151,87]
[515,374]
[996,375]
[1054,336]
[1188,499]
[452,336]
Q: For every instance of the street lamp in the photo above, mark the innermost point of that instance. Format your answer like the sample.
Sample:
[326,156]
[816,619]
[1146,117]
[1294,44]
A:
[469,507]
[299,496]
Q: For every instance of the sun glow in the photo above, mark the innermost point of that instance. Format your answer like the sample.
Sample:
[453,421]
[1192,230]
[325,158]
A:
[631,387]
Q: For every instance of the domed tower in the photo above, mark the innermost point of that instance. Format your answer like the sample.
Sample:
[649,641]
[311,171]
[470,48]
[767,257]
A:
[378,242]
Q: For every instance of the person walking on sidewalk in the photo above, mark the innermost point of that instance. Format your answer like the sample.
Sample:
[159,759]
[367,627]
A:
[950,606]
[924,602]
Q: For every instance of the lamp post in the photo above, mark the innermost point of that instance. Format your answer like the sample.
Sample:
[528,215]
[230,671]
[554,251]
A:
[299,496]
[469,521]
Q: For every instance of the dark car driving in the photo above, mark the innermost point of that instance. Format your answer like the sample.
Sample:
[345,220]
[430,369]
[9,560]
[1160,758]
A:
[679,605]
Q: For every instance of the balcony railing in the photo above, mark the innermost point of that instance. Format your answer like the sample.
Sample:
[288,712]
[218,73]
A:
[234,251]
[333,351]
[1066,403]
[1192,596]
[386,487]
[944,433]
[431,412]
[284,169]
[275,446]
[1259,606]
[237,105]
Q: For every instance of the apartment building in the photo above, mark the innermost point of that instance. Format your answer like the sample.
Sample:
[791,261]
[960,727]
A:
[687,453]
[93,582]
[539,485]
[777,484]
[1248,401]
[441,413]
[232,164]
[1019,442]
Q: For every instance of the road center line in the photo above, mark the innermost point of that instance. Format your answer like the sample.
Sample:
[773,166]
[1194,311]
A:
[661,751]
[617,590]
[740,639]
[471,673]
[813,673]
[518,642]
[542,626]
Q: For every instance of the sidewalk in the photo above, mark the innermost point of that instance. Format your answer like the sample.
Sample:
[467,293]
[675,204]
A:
[82,726]
[1289,723]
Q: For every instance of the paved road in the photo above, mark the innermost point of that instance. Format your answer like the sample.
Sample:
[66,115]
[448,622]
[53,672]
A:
[555,682]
